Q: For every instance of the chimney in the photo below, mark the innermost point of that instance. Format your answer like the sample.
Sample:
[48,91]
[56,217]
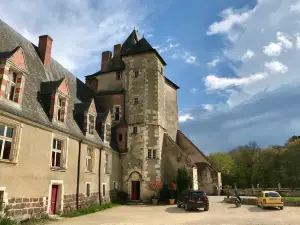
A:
[44,49]
[117,49]
[106,57]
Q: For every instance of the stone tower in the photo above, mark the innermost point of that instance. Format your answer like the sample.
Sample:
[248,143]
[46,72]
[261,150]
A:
[145,113]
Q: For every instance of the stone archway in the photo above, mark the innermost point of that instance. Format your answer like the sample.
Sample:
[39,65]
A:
[134,186]
[208,178]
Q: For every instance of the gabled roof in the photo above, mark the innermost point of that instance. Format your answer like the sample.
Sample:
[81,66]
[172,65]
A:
[34,97]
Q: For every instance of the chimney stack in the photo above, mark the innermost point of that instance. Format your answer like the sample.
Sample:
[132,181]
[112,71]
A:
[106,57]
[117,49]
[44,49]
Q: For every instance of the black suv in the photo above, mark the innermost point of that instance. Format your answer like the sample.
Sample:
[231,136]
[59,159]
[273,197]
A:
[192,199]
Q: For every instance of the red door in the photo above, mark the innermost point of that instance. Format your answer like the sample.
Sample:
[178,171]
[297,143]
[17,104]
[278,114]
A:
[53,199]
[133,190]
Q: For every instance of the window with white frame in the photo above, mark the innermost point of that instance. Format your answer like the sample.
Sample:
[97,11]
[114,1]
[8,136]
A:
[115,184]
[6,141]
[89,160]
[106,168]
[92,121]
[119,75]
[116,113]
[11,86]
[88,189]
[58,154]
[103,190]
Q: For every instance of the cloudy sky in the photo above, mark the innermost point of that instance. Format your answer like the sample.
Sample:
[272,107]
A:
[236,61]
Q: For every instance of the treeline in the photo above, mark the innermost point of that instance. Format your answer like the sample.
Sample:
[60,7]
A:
[250,165]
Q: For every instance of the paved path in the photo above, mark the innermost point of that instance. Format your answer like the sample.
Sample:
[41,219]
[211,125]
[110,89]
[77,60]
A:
[219,213]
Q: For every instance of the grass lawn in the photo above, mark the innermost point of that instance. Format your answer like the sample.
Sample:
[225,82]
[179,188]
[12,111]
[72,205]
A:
[91,209]
[291,199]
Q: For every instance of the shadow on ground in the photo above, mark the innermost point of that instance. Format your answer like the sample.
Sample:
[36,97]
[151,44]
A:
[181,210]
[257,209]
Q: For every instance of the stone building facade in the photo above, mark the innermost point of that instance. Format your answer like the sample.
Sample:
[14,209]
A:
[65,145]
[143,105]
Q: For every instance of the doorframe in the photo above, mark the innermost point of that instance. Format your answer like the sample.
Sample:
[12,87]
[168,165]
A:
[60,194]
[131,183]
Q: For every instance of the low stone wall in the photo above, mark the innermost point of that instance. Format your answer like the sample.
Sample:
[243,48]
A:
[253,201]
[83,201]
[26,207]
[284,192]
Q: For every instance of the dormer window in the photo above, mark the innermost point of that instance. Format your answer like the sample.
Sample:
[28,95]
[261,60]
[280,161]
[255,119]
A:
[60,107]
[119,75]
[11,86]
[91,126]
[116,111]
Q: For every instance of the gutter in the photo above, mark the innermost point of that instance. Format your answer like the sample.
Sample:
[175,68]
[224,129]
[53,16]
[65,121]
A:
[99,173]
[78,175]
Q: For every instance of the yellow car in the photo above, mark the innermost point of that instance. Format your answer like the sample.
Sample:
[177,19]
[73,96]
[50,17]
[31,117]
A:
[269,199]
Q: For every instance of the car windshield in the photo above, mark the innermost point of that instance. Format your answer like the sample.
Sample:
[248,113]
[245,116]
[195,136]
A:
[272,195]
[197,194]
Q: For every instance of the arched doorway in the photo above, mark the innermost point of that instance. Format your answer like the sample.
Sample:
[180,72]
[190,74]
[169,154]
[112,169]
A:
[135,186]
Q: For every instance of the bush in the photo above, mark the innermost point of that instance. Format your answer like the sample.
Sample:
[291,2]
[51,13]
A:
[7,221]
[164,194]
[122,197]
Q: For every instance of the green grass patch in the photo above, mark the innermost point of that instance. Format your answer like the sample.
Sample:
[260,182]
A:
[91,209]
[7,221]
[291,199]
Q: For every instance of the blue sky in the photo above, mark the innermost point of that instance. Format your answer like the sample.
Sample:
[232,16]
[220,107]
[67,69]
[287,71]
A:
[236,61]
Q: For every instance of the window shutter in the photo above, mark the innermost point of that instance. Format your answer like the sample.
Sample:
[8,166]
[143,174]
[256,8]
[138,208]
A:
[15,144]
[93,160]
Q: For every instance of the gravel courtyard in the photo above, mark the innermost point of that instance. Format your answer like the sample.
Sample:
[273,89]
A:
[219,213]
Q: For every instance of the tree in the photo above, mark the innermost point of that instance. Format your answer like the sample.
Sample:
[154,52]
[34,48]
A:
[183,180]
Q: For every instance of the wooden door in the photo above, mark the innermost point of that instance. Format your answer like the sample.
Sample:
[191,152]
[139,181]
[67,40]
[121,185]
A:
[53,199]
[133,190]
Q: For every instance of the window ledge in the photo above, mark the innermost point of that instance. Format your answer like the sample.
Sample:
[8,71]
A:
[90,172]
[7,161]
[107,174]
[11,103]
[58,169]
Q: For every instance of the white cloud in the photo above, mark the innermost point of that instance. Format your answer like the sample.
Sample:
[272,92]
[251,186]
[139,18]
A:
[149,35]
[284,40]
[213,63]
[185,118]
[174,56]
[276,66]
[193,90]
[248,55]
[78,36]
[295,7]
[169,39]
[273,49]
[297,41]
[174,46]
[230,19]
[189,58]
[212,82]
[208,107]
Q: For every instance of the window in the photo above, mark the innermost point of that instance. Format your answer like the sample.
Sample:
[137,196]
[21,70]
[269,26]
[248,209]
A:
[120,137]
[136,74]
[136,101]
[106,164]
[103,190]
[10,86]
[1,200]
[6,136]
[135,130]
[151,154]
[60,106]
[88,189]
[108,132]
[89,160]
[116,113]
[161,70]
[119,75]
[91,126]
[57,147]
[115,185]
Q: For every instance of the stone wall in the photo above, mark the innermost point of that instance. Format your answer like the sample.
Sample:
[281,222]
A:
[83,201]
[284,192]
[26,207]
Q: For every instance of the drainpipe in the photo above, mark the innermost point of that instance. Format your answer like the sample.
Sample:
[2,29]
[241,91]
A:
[99,172]
[78,175]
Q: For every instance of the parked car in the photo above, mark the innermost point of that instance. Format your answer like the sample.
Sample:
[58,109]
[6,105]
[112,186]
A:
[193,199]
[269,199]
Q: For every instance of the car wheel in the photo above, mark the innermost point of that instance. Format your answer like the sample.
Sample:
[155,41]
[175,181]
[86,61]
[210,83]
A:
[262,206]
[281,208]
[178,205]
[186,207]
[206,208]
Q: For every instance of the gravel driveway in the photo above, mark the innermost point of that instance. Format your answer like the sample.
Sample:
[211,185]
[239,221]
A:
[219,213]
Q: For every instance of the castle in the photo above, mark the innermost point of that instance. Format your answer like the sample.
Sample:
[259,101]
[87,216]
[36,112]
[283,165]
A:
[65,144]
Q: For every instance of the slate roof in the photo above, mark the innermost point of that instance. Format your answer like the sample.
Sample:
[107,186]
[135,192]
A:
[39,82]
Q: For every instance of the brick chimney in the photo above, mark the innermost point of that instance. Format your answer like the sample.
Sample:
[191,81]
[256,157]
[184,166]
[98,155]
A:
[44,49]
[117,49]
[106,57]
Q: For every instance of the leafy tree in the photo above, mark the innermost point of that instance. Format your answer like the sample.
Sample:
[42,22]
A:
[183,179]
